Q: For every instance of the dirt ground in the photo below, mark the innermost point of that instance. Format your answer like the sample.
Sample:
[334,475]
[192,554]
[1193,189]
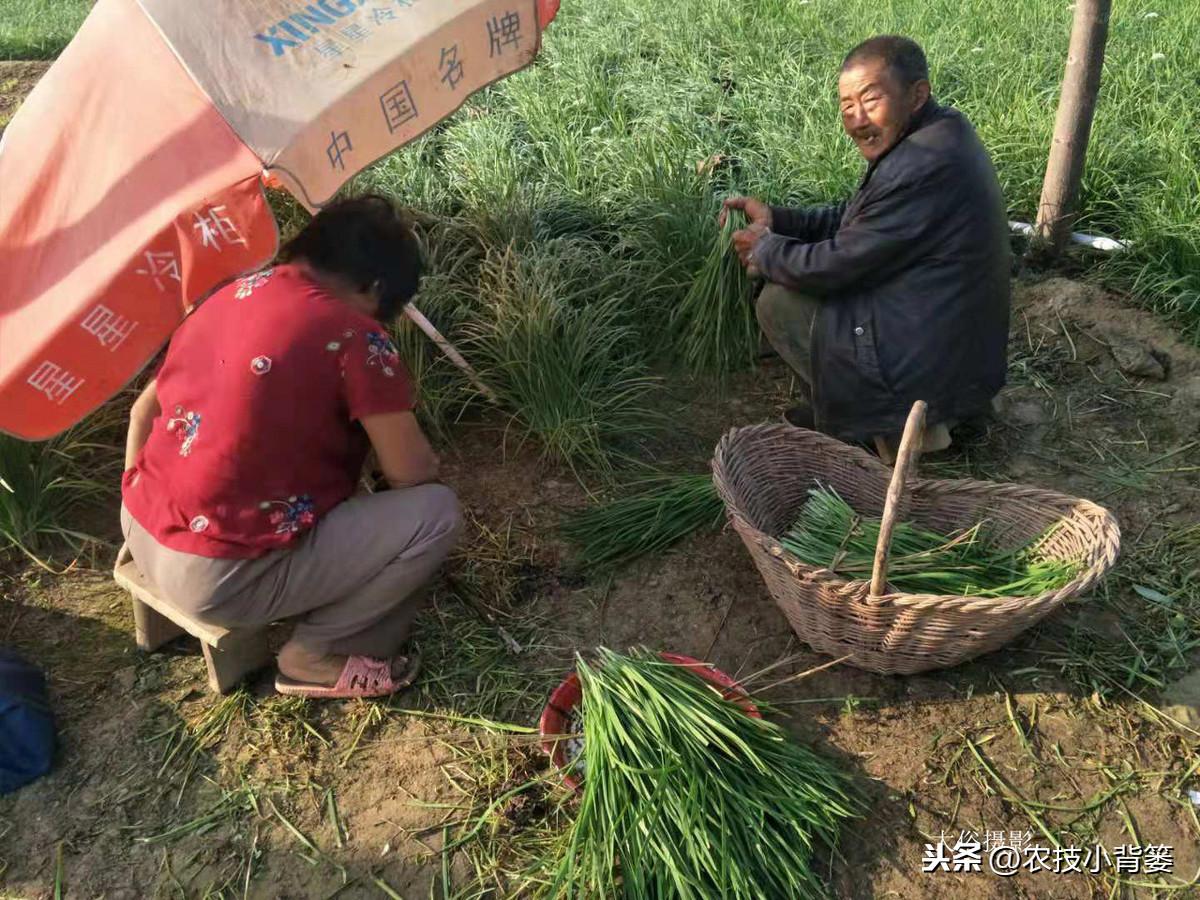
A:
[16,80]
[163,790]
[143,760]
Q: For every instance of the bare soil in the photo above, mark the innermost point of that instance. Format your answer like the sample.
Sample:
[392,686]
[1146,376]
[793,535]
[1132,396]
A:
[117,789]
[16,80]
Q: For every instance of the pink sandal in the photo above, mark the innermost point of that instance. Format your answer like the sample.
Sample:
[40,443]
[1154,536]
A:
[362,676]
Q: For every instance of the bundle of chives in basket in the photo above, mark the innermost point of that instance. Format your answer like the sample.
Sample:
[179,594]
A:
[685,796]
[666,510]
[831,535]
[714,324]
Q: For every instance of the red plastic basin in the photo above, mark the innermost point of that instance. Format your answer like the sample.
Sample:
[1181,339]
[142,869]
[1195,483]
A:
[556,716]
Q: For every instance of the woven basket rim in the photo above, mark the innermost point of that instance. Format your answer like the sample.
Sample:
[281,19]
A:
[1101,553]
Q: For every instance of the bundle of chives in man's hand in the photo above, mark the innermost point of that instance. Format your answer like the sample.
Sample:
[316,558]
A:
[715,322]
[666,510]
[831,535]
[685,796]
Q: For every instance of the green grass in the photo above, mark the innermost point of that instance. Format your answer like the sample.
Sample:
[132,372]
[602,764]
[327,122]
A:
[39,29]
[46,486]
[555,341]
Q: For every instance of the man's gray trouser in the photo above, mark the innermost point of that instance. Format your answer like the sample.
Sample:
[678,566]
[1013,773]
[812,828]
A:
[786,318]
[354,580]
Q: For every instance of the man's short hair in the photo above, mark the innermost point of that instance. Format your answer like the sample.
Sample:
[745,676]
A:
[902,55]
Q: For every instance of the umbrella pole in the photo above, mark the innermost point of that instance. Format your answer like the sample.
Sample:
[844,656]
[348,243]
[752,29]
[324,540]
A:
[418,318]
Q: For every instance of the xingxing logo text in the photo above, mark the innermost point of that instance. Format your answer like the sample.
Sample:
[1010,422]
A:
[326,18]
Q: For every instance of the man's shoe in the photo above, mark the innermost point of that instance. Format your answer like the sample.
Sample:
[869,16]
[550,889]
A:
[800,416]
[935,439]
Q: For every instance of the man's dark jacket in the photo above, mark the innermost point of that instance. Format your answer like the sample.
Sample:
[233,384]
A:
[913,274]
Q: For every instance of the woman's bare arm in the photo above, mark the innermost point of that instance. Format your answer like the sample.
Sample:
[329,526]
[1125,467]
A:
[405,456]
[141,417]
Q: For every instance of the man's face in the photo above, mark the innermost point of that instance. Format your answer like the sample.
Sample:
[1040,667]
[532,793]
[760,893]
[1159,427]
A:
[875,108]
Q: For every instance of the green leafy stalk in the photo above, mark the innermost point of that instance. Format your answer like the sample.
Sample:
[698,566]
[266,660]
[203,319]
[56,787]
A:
[686,796]
[831,535]
[666,510]
[715,323]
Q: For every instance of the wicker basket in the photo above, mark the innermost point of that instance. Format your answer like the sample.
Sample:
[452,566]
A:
[764,473]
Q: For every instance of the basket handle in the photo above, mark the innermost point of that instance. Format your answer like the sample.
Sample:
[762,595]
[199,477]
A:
[905,468]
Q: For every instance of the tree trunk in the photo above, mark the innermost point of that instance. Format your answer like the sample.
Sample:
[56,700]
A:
[1073,124]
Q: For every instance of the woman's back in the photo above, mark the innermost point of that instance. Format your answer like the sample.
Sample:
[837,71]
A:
[260,392]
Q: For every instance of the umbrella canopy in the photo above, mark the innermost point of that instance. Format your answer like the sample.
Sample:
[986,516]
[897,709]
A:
[132,176]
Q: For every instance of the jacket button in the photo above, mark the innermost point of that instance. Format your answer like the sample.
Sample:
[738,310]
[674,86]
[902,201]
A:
[859,330]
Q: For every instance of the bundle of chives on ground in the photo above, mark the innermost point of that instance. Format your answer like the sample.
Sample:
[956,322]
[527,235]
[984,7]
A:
[668,509]
[685,796]
[714,323]
[830,534]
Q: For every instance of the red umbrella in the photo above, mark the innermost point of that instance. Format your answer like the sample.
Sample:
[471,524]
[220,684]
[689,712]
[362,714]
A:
[133,174]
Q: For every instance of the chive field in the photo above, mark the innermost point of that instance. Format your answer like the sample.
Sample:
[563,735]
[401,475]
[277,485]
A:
[38,29]
[610,154]
[573,203]
[631,121]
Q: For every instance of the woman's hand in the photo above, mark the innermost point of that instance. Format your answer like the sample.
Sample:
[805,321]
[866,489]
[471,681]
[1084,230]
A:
[405,456]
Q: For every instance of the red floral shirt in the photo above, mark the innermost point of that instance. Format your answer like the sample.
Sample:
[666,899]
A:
[258,437]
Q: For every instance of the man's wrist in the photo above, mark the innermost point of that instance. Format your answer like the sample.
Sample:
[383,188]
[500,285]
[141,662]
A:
[760,249]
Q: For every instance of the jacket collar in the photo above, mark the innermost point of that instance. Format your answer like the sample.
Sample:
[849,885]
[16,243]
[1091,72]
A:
[923,117]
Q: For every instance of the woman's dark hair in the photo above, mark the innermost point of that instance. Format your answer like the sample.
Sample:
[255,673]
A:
[367,241]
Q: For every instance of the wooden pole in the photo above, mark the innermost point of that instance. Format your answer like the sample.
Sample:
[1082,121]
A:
[902,475]
[418,319]
[1073,124]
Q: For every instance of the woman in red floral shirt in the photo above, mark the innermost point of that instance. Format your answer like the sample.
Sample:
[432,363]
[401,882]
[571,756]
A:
[245,450]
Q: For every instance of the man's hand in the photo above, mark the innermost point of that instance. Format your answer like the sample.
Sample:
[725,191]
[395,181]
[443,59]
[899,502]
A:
[745,241]
[756,211]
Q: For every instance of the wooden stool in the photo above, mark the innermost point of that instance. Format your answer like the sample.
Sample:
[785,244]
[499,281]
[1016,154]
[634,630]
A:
[230,655]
